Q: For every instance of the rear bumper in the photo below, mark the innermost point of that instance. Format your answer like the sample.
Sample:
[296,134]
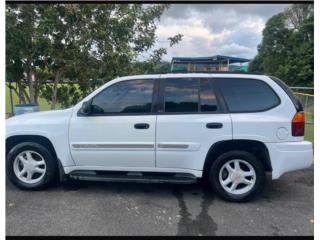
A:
[289,156]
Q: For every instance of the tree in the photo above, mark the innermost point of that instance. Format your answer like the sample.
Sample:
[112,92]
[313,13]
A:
[297,14]
[287,49]
[22,45]
[274,43]
[14,68]
[256,64]
[298,69]
[86,44]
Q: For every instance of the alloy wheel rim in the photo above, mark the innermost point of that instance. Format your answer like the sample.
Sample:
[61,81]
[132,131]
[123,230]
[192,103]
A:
[29,167]
[237,176]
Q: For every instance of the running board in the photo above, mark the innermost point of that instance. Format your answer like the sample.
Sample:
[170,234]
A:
[139,177]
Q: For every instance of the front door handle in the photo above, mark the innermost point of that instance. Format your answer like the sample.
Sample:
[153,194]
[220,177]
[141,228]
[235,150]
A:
[214,125]
[141,126]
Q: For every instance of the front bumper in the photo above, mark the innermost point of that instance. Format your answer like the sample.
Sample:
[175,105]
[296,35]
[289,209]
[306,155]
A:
[289,156]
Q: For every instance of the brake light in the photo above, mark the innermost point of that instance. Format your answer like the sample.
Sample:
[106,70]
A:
[297,124]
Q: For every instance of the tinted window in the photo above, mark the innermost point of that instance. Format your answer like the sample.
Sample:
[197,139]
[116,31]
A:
[208,99]
[181,95]
[289,92]
[247,95]
[134,96]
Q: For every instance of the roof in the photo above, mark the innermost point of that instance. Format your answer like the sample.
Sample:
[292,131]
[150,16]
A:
[210,59]
[195,74]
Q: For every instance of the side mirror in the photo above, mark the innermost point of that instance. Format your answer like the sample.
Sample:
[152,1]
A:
[86,108]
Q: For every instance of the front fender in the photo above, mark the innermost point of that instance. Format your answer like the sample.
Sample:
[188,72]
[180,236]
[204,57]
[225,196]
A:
[53,125]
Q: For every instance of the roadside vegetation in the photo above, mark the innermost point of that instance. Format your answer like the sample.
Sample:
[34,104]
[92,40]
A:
[287,47]
[85,45]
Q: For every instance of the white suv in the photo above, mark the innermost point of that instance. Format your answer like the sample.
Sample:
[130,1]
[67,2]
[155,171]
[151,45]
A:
[228,128]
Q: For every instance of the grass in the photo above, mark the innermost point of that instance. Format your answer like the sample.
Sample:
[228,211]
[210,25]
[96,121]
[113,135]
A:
[44,105]
[309,132]
[309,128]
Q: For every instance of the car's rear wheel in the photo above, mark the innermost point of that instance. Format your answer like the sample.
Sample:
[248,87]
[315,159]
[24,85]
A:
[31,166]
[237,176]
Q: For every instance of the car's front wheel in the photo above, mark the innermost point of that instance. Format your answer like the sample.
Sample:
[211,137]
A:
[30,166]
[237,176]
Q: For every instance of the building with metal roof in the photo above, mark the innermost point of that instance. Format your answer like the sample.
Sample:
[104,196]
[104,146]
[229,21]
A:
[208,64]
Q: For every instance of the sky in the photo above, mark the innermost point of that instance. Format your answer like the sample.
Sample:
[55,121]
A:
[215,29]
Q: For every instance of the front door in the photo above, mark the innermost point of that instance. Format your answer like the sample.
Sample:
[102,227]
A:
[120,131]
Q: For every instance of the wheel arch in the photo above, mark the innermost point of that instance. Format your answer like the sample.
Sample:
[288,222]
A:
[16,139]
[257,148]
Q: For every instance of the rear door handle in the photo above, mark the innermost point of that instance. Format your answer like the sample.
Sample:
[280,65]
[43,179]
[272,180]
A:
[214,125]
[141,126]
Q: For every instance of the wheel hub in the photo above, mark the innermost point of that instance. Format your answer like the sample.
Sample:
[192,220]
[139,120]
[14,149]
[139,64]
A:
[237,176]
[29,167]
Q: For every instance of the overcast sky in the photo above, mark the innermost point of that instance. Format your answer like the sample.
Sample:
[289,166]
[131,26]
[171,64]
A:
[211,29]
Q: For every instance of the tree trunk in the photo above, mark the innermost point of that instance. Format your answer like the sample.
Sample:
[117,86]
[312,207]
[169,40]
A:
[55,90]
[36,89]
[13,88]
[25,94]
[31,86]
[22,99]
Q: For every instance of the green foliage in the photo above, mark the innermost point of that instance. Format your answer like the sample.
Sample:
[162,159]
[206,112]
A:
[175,39]
[287,48]
[162,67]
[256,64]
[87,44]
[14,41]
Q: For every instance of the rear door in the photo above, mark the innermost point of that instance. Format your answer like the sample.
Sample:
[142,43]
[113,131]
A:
[191,117]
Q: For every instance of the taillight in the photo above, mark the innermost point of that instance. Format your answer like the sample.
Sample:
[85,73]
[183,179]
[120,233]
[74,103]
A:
[297,124]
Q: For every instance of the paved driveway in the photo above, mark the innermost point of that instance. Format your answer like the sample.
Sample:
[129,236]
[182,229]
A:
[88,208]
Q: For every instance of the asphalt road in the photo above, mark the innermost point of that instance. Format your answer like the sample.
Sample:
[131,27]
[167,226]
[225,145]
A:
[88,208]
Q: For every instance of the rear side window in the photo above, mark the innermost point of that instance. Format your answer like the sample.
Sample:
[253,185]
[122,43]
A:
[189,95]
[208,100]
[247,95]
[181,95]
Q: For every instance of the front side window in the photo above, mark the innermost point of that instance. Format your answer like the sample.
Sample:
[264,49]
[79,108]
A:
[247,95]
[133,96]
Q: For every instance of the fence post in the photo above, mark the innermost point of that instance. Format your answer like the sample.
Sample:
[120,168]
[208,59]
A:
[306,102]
[11,98]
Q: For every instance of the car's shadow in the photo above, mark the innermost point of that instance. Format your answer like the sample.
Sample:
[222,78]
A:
[273,189]
[283,188]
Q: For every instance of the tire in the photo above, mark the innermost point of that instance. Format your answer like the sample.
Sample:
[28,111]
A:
[41,166]
[246,188]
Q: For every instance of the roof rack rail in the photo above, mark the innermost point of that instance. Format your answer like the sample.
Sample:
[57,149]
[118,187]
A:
[219,72]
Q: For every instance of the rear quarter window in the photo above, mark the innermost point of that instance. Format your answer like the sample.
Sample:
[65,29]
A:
[247,95]
[289,92]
